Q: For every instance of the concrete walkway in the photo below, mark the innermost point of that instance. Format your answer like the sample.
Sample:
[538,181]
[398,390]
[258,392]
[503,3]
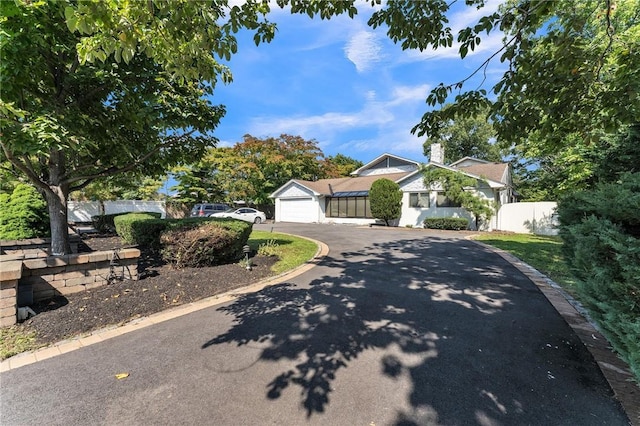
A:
[391,327]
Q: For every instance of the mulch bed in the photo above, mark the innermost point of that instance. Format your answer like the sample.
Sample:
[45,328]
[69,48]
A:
[159,287]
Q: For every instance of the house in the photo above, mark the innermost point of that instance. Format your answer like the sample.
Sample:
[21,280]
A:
[346,199]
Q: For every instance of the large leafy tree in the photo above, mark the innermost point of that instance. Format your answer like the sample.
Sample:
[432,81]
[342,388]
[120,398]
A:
[578,166]
[252,170]
[468,136]
[572,67]
[66,123]
[340,165]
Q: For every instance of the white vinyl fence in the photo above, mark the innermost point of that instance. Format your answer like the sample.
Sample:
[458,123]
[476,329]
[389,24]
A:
[528,218]
[81,211]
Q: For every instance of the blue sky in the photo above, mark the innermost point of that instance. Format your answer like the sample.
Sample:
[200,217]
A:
[345,85]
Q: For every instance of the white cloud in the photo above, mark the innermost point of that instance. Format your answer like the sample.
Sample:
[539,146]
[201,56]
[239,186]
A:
[383,125]
[364,50]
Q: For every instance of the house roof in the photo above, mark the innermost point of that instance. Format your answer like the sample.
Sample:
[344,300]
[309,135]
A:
[380,158]
[495,174]
[491,171]
[472,159]
[345,184]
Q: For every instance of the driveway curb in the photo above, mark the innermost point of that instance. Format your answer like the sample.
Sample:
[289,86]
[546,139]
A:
[614,369]
[101,335]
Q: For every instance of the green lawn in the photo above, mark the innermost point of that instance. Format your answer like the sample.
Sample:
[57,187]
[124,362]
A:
[292,251]
[541,252]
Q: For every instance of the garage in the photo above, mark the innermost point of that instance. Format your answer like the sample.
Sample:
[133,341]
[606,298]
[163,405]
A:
[303,210]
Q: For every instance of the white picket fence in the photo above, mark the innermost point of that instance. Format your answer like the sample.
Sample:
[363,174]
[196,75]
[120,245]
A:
[528,218]
[81,211]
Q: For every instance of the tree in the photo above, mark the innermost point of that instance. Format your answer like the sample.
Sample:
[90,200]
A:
[253,169]
[120,187]
[385,199]
[461,190]
[570,64]
[339,165]
[577,166]
[470,136]
[66,122]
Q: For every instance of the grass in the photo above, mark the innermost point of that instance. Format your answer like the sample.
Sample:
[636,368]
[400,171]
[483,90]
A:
[13,342]
[541,252]
[292,251]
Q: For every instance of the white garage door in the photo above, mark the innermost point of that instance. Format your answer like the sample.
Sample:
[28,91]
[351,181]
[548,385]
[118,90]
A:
[302,210]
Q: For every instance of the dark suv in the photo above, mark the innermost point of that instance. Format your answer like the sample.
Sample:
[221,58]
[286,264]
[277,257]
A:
[207,209]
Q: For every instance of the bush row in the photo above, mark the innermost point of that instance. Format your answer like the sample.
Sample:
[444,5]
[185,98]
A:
[448,223]
[600,228]
[191,242]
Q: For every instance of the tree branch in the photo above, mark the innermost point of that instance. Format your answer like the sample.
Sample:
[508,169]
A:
[24,168]
[110,171]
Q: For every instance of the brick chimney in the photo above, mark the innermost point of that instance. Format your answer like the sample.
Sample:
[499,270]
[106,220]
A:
[437,153]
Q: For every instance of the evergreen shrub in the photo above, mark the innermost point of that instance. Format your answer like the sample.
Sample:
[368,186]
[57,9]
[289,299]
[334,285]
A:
[23,214]
[448,223]
[385,200]
[599,229]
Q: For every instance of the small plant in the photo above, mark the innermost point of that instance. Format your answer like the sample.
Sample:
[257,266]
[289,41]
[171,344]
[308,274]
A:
[270,248]
[408,226]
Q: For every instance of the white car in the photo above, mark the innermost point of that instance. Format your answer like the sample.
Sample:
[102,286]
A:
[244,213]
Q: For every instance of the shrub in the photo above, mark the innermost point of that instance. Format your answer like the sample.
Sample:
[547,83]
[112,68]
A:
[105,223]
[385,199]
[204,243]
[448,223]
[23,214]
[599,229]
[128,228]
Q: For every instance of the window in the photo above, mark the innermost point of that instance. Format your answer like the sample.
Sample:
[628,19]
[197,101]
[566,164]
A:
[444,201]
[355,207]
[419,199]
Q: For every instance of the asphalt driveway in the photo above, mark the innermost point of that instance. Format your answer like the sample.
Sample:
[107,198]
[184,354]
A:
[393,327]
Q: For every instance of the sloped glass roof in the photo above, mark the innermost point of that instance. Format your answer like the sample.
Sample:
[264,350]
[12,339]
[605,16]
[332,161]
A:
[350,194]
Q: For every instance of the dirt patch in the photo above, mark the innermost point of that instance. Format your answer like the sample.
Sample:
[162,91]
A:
[160,287]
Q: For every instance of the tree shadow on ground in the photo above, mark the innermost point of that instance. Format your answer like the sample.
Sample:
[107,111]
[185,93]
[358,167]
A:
[448,317]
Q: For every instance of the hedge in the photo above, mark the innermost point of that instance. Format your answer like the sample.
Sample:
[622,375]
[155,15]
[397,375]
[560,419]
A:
[132,230]
[448,223]
[104,223]
[599,229]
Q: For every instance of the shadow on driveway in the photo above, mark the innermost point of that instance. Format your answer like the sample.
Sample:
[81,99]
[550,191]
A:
[475,339]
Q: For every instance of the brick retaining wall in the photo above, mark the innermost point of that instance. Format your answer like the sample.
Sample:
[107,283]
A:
[28,280]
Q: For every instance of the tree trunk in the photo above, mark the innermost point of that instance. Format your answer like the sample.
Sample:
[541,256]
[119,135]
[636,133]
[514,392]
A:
[57,204]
